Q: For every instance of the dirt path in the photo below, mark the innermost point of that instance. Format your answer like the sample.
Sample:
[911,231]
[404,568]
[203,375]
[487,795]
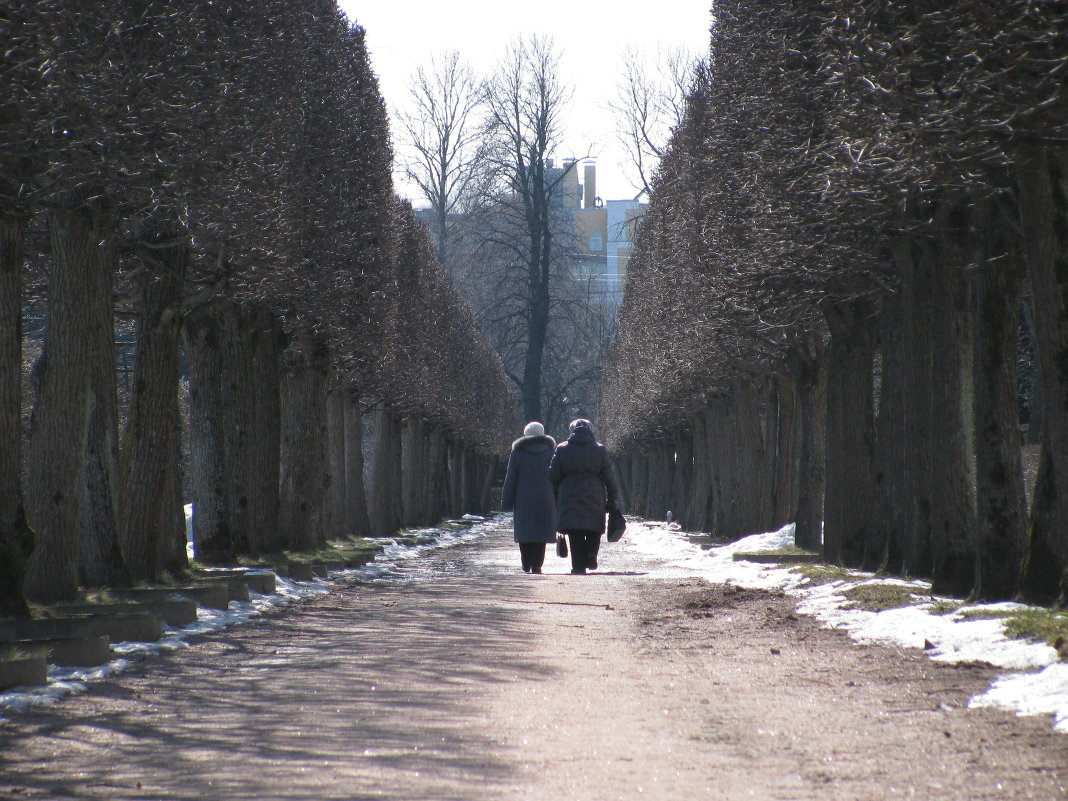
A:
[462,678]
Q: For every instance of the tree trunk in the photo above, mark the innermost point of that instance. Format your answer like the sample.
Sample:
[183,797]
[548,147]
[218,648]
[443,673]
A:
[385,499]
[920,422]
[948,508]
[718,449]
[489,469]
[304,471]
[787,449]
[149,463]
[56,474]
[1002,506]
[752,490]
[622,462]
[357,521]
[684,476]
[334,506]
[264,440]
[456,476]
[810,376]
[174,551]
[1036,418]
[437,476]
[886,547]
[100,558]
[537,332]
[643,482]
[16,538]
[850,490]
[768,420]
[209,467]
[413,471]
[1044,216]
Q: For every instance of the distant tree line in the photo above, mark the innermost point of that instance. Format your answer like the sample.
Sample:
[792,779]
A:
[218,175]
[861,216]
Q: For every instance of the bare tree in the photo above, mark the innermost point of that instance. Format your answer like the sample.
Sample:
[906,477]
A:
[651,100]
[525,102]
[444,141]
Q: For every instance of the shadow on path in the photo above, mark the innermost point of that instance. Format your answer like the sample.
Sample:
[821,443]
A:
[372,692]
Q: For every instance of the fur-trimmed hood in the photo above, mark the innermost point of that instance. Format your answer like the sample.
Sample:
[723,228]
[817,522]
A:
[538,444]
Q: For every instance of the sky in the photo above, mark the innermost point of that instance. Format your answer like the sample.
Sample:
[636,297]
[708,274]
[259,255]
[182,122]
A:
[402,34]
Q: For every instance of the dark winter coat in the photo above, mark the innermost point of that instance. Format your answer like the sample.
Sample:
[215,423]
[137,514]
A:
[581,473]
[527,490]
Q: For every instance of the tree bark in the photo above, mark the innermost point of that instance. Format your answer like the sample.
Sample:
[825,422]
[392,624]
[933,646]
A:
[174,551]
[752,489]
[850,489]
[334,506]
[304,472]
[264,441]
[385,496]
[59,425]
[456,476]
[100,558]
[698,501]
[16,537]
[810,376]
[413,471]
[787,449]
[149,460]
[886,548]
[684,476]
[437,476]
[537,332]
[489,468]
[213,536]
[357,521]
[1002,506]
[948,503]
[1044,217]
[719,449]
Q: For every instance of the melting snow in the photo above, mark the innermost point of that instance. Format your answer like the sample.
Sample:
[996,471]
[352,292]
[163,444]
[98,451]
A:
[1042,689]
[67,681]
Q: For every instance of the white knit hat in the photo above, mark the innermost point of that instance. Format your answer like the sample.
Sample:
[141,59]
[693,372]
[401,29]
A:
[534,430]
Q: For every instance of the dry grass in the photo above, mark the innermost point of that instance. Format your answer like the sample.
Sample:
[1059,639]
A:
[877,597]
[824,574]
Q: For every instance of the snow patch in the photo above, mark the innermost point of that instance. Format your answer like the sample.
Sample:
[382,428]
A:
[69,681]
[947,638]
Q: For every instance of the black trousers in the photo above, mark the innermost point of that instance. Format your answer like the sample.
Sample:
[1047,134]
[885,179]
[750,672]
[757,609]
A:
[532,554]
[584,546]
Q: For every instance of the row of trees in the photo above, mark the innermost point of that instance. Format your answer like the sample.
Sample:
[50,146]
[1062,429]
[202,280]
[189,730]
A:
[862,206]
[480,150]
[221,176]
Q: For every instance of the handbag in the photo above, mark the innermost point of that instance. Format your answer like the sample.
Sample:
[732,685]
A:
[561,546]
[616,525]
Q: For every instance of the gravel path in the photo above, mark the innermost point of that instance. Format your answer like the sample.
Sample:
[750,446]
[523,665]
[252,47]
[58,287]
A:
[462,678]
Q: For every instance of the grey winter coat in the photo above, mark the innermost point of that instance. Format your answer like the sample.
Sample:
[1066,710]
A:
[581,473]
[527,490]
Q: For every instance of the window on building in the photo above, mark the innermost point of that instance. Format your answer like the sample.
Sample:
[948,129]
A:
[595,242]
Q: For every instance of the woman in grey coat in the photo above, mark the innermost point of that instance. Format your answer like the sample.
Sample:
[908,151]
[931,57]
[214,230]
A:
[527,490]
[585,485]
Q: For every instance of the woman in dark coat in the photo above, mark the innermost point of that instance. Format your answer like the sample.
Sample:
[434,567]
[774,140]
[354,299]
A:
[585,485]
[527,490]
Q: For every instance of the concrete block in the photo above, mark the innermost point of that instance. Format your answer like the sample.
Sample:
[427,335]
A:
[30,672]
[72,651]
[119,627]
[301,571]
[174,611]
